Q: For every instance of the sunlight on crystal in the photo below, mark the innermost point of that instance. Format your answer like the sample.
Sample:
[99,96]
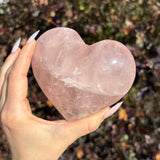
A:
[114,61]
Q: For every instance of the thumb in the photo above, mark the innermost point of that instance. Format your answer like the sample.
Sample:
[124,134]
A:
[89,124]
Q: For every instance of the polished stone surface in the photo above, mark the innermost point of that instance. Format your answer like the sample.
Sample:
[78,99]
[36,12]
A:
[81,79]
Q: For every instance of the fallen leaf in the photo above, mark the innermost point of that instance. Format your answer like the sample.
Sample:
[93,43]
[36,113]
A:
[52,13]
[157,156]
[79,154]
[49,103]
[122,114]
[128,23]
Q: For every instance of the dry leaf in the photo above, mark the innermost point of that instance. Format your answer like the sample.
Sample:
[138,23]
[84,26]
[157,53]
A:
[52,13]
[157,156]
[79,154]
[49,103]
[122,114]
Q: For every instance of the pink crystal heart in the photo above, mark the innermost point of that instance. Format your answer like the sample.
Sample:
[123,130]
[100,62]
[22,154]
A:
[81,79]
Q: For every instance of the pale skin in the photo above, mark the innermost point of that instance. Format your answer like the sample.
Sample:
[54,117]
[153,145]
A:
[30,137]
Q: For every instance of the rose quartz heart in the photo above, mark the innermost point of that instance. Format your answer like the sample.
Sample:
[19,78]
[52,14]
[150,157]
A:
[81,79]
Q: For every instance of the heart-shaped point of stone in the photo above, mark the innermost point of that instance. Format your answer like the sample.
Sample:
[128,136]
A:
[81,79]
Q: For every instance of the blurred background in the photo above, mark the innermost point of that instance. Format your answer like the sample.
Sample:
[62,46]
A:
[133,133]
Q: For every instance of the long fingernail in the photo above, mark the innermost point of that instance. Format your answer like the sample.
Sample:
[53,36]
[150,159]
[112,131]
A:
[16,45]
[33,36]
[113,110]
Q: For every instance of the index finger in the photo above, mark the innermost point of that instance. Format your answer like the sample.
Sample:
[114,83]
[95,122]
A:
[17,82]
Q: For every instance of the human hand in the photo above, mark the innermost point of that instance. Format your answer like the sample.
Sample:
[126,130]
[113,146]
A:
[30,137]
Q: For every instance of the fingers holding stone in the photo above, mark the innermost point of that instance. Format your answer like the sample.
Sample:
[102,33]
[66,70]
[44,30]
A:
[22,64]
[81,127]
[14,84]
[17,81]
[84,126]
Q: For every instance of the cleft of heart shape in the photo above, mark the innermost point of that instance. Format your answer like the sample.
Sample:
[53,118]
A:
[81,79]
